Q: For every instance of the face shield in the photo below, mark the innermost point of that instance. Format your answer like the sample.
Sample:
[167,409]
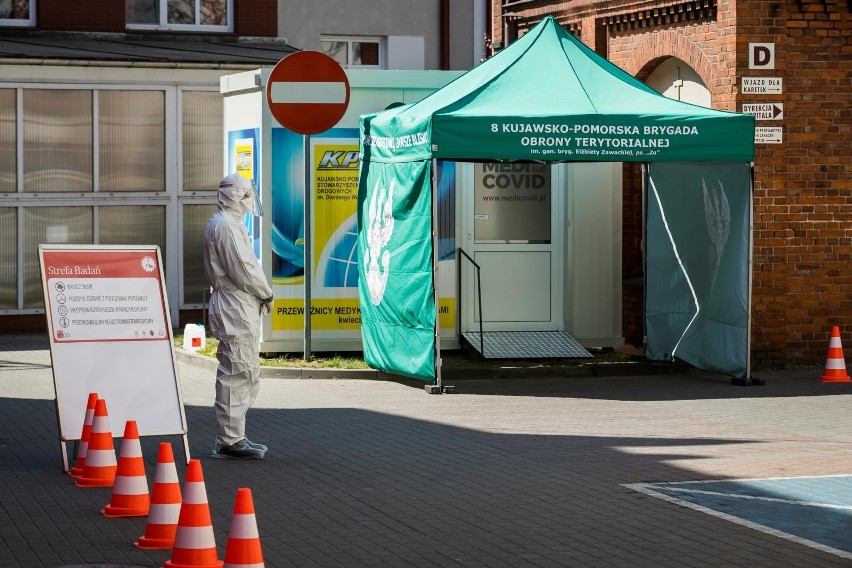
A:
[237,192]
[252,202]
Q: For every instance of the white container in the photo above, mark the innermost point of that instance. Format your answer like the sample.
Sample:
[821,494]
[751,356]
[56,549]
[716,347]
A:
[193,337]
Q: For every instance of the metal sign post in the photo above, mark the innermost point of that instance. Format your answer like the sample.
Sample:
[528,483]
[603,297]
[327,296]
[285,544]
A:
[308,93]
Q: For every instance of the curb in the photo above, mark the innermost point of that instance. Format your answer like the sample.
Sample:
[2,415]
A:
[210,364]
[598,369]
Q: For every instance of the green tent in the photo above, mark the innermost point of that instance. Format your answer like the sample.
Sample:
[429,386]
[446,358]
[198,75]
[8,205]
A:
[545,98]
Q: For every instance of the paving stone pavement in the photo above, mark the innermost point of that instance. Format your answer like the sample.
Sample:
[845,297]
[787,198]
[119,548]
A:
[506,472]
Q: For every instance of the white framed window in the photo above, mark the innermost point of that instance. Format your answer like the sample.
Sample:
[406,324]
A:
[180,15]
[355,52]
[107,164]
[19,13]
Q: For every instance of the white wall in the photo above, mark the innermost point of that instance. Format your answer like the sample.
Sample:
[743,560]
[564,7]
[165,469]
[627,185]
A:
[303,24]
[593,253]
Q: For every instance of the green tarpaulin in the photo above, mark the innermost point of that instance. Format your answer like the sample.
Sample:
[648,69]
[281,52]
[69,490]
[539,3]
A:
[696,292]
[547,98]
[395,283]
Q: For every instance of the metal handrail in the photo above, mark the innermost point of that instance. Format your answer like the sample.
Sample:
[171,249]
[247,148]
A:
[478,295]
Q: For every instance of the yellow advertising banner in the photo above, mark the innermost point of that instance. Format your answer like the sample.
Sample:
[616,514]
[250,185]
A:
[335,192]
[244,164]
[340,313]
[335,165]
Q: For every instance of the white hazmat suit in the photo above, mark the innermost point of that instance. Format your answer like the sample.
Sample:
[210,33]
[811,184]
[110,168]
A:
[240,296]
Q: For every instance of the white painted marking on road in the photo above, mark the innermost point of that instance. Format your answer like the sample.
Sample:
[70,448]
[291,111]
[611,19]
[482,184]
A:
[755,497]
[646,488]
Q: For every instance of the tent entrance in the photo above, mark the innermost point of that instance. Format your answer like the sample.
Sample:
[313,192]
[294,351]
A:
[510,228]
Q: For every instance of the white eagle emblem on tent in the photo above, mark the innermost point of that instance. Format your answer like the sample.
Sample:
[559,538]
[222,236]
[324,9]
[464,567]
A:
[379,230]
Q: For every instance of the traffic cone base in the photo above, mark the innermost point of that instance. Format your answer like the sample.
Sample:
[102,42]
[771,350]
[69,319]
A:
[130,491]
[100,467]
[164,512]
[77,470]
[161,529]
[835,365]
[129,498]
[204,556]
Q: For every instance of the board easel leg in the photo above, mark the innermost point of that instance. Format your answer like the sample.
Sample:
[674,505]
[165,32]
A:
[186,447]
[64,448]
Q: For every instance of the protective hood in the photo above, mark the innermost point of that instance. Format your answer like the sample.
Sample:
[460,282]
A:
[236,194]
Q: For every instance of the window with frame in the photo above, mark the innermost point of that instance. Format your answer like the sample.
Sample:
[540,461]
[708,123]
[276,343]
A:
[354,52]
[180,15]
[17,13]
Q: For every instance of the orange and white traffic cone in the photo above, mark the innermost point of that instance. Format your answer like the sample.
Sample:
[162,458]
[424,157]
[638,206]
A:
[165,504]
[835,364]
[99,470]
[77,470]
[243,550]
[195,543]
[130,492]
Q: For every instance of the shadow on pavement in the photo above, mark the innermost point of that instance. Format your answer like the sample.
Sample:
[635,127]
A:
[351,487]
[690,385]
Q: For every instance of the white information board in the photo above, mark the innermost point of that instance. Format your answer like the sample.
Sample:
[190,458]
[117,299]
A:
[768,135]
[761,85]
[765,111]
[110,333]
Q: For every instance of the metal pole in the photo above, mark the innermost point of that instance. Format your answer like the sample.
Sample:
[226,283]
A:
[750,267]
[307,241]
[644,250]
[435,272]
[479,297]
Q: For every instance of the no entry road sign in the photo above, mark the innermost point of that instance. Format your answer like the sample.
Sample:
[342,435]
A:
[307,92]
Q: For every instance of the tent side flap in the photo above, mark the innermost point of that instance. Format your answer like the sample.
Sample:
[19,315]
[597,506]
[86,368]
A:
[395,275]
[696,290]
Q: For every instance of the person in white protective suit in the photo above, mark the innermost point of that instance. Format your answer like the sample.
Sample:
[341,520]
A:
[240,297]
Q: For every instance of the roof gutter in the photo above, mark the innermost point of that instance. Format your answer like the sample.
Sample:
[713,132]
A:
[129,64]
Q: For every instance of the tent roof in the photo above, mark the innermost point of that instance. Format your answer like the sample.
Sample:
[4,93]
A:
[549,97]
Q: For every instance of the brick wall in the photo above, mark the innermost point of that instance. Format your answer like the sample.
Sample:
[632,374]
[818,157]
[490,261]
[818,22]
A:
[803,186]
[80,16]
[254,18]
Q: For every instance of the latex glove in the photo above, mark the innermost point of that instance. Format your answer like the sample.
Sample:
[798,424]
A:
[266,306]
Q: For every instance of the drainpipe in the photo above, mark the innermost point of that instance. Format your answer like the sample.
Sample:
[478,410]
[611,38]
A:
[445,35]
[489,30]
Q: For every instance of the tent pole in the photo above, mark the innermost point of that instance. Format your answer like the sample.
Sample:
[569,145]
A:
[644,249]
[438,381]
[749,378]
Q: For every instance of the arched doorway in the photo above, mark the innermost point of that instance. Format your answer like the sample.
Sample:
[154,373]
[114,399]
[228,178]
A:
[675,79]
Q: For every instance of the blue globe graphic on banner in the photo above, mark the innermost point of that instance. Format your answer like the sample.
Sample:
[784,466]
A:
[338,263]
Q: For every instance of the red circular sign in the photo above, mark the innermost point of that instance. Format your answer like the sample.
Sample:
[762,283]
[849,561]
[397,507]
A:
[307,92]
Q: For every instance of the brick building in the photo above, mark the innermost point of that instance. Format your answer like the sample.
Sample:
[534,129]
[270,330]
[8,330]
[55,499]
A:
[802,269]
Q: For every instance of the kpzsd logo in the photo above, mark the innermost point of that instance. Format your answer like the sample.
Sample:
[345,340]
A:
[339,160]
